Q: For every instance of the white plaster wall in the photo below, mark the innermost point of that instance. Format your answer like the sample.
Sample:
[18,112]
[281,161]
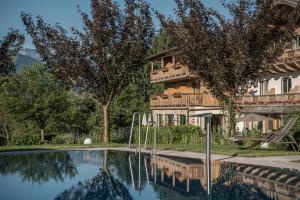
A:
[276,79]
[198,121]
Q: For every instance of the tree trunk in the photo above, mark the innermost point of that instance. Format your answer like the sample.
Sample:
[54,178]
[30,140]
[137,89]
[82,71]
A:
[231,117]
[42,136]
[105,161]
[7,137]
[106,124]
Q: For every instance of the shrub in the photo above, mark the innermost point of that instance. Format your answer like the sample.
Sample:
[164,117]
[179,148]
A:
[120,135]
[26,139]
[186,134]
[63,139]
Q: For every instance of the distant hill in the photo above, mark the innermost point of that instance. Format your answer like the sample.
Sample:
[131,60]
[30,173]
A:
[21,60]
[31,53]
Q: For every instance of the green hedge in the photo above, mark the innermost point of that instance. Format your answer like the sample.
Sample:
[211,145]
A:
[26,139]
[186,134]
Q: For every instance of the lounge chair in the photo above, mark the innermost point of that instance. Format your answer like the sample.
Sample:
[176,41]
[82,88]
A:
[274,137]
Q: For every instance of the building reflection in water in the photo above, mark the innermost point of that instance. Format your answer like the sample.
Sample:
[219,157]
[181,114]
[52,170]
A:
[188,176]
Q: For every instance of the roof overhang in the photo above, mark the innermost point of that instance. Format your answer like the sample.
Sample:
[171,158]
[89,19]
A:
[292,3]
[162,54]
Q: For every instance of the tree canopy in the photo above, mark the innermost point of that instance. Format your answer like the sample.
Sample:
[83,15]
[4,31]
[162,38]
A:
[9,46]
[228,54]
[100,60]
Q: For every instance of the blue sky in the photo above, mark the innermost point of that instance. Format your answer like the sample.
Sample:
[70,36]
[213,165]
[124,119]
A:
[65,12]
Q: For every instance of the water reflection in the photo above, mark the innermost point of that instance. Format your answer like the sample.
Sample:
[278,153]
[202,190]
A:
[229,180]
[39,167]
[112,175]
[102,186]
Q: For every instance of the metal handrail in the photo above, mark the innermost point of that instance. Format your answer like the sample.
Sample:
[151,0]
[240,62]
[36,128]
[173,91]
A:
[153,124]
[131,172]
[132,129]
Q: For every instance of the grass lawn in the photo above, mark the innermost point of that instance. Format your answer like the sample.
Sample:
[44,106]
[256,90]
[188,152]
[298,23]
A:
[58,146]
[229,150]
[216,149]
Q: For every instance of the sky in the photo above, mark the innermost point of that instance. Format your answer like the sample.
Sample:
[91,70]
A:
[65,12]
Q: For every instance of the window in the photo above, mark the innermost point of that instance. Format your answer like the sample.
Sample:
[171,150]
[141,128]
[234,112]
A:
[182,119]
[286,85]
[270,125]
[170,120]
[264,87]
[160,120]
[297,42]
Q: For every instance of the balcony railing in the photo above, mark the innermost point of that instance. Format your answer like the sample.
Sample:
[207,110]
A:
[279,100]
[182,100]
[290,55]
[172,73]
[176,100]
[210,101]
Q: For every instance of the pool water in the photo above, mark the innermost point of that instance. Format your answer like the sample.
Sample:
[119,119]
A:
[78,175]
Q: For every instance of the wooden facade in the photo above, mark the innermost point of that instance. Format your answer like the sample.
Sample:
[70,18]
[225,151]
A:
[184,95]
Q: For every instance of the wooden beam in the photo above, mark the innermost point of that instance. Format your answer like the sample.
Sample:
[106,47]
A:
[288,68]
[297,64]
[294,65]
[277,70]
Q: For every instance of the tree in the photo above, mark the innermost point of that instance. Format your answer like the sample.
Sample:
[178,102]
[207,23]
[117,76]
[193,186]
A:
[100,60]
[34,95]
[229,54]
[9,46]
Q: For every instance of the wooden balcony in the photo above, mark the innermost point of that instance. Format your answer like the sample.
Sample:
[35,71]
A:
[210,101]
[175,72]
[270,100]
[182,101]
[176,100]
[287,63]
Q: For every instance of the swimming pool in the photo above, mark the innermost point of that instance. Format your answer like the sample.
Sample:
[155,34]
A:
[75,175]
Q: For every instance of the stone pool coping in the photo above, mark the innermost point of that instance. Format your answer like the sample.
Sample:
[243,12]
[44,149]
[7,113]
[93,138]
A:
[289,161]
[271,161]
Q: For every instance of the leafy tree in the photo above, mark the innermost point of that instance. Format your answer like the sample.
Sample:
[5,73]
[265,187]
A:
[34,95]
[231,53]
[135,97]
[162,42]
[100,60]
[9,46]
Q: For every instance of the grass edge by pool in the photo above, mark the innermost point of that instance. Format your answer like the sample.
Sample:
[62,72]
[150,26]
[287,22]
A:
[216,149]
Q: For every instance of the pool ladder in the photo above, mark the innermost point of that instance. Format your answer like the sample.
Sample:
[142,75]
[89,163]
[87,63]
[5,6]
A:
[152,151]
[149,124]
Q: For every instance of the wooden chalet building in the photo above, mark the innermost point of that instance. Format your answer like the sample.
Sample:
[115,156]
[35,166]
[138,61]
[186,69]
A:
[184,95]
[277,93]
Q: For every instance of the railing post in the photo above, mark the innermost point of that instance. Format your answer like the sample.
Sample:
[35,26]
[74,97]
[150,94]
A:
[208,156]
[131,130]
